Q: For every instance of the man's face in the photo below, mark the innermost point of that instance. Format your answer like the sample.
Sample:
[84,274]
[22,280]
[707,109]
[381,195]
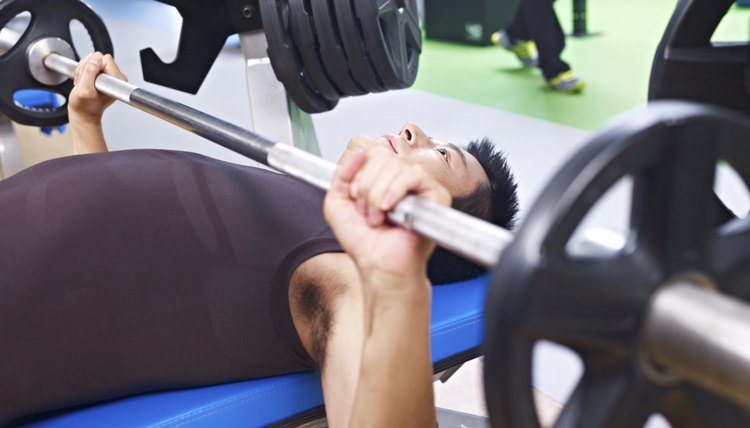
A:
[453,167]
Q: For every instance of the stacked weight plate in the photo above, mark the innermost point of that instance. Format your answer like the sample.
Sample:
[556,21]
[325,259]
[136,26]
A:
[324,50]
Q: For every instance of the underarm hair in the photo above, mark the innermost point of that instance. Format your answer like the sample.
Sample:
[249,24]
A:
[314,304]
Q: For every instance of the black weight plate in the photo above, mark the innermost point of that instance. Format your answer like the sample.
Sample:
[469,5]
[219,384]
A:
[331,51]
[49,18]
[285,61]
[595,305]
[688,66]
[393,39]
[300,21]
[356,55]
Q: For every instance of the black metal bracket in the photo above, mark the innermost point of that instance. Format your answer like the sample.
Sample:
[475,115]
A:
[205,27]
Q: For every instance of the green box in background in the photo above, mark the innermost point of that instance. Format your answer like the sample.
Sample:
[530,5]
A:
[466,21]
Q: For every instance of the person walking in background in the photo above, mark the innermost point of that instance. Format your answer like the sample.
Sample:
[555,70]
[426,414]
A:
[534,35]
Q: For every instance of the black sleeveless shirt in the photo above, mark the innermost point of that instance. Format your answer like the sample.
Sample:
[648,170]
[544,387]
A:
[140,270]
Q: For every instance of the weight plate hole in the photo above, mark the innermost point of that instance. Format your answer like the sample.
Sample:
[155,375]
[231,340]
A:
[657,421]
[38,100]
[603,232]
[556,371]
[731,29]
[82,42]
[732,190]
[13,32]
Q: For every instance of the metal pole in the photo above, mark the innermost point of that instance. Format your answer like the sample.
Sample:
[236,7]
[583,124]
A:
[579,18]
[463,234]
[703,337]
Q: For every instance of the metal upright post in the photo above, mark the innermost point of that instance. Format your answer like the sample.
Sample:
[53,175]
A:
[580,19]
[11,161]
[273,113]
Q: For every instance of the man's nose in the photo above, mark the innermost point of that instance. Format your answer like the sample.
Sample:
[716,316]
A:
[414,136]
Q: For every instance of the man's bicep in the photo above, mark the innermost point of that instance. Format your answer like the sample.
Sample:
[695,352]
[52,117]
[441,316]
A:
[340,371]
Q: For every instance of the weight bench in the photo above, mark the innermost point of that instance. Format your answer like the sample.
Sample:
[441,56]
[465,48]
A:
[289,400]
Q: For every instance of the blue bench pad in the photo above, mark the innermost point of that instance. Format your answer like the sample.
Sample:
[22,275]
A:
[457,327]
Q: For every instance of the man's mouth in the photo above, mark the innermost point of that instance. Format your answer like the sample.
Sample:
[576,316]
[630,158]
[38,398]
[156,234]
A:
[389,139]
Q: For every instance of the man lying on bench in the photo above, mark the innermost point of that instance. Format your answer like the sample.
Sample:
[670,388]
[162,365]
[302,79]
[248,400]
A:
[148,270]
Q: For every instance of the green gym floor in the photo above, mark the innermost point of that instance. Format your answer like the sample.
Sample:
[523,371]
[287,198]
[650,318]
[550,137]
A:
[615,63]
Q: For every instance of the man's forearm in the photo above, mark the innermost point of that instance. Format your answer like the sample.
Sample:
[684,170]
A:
[88,136]
[395,383]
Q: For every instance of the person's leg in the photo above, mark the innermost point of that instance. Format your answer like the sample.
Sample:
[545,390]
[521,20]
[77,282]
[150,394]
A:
[542,26]
[516,38]
[516,27]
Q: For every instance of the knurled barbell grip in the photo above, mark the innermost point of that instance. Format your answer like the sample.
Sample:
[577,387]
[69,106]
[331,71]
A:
[472,238]
[478,241]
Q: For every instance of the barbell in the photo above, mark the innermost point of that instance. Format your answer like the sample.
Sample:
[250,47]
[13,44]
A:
[623,314]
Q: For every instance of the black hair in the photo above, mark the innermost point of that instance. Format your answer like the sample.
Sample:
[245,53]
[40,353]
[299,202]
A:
[495,201]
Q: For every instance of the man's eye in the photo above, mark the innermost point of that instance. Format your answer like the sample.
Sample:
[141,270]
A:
[443,152]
